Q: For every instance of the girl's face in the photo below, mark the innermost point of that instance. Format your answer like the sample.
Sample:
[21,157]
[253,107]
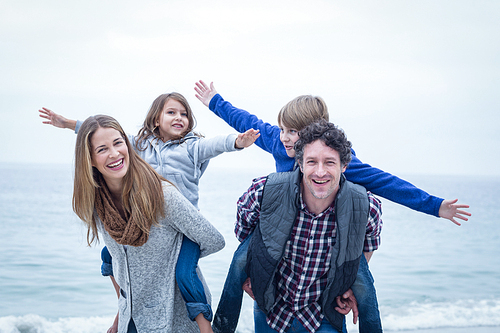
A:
[288,136]
[173,120]
[110,155]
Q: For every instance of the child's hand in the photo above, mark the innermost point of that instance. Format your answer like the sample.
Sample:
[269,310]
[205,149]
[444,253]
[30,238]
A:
[56,120]
[204,93]
[450,210]
[246,139]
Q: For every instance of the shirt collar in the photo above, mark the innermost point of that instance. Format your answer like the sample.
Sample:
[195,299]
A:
[303,208]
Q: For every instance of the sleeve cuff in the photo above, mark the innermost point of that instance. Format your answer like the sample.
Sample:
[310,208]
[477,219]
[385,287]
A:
[77,127]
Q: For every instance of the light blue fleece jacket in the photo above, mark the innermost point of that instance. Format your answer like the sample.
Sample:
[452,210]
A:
[182,163]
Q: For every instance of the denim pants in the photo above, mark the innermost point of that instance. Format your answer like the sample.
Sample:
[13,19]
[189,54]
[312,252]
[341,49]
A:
[261,325]
[366,296]
[131,327]
[228,310]
[188,281]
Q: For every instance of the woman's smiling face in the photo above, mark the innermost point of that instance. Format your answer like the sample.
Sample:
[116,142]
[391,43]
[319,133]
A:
[110,155]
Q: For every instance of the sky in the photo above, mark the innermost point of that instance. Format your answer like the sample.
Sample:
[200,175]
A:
[414,84]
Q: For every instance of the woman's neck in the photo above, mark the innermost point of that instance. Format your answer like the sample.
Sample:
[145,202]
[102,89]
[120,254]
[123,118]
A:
[115,188]
[116,195]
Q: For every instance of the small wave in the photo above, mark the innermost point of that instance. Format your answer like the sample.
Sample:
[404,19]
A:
[429,315]
[36,324]
[424,315]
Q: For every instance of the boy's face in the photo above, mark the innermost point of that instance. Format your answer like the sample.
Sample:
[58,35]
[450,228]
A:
[288,136]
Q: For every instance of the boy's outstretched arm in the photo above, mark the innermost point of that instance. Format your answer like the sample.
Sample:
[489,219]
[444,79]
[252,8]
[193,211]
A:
[246,139]
[402,192]
[56,120]
[242,121]
[450,210]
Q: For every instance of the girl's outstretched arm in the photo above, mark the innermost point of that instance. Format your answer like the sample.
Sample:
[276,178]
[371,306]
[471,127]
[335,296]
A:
[56,120]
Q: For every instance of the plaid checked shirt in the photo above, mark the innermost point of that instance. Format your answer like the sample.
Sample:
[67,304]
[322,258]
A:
[302,272]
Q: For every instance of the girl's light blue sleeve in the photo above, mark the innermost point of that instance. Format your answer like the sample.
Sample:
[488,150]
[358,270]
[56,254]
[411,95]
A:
[78,125]
[208,148]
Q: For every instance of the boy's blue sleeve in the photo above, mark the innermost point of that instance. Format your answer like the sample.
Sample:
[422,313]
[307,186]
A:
[242,121]
[391,187]
[107,265]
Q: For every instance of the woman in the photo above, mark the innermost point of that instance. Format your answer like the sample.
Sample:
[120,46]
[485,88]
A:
[142,219]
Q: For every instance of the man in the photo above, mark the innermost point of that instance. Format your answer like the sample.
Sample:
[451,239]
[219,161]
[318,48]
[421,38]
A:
[310,228]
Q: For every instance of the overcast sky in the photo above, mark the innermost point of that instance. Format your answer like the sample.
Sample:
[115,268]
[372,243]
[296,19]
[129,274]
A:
[415,84]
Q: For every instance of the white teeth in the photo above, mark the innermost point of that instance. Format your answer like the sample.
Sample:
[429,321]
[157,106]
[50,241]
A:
[320,181]
[114,165]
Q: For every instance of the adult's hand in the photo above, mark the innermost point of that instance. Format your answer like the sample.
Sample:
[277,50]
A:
[346,303]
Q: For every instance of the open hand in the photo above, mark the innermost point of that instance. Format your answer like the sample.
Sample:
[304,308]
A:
[246,139]
[53,118]
[56,120]
[450,210]
[204,92]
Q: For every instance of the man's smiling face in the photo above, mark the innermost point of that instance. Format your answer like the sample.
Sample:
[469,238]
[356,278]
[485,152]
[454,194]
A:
[322,169]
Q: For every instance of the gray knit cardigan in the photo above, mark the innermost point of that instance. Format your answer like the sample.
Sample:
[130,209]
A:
[146,274]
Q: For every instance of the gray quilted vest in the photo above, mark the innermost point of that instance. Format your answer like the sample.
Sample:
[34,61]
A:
[279,207]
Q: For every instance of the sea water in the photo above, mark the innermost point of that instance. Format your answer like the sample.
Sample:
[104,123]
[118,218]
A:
[428,272]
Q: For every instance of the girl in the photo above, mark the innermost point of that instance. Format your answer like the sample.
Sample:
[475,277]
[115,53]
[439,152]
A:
[142,219]
[279,141]
[166,142]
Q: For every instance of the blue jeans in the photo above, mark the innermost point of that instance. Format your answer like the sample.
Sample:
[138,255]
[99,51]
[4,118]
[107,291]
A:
[188,281]
[364,291]
[229,308]
[131,327]
[107,262]
[261,325]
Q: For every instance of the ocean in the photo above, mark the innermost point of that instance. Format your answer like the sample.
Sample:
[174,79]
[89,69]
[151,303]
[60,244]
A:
[429,273]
